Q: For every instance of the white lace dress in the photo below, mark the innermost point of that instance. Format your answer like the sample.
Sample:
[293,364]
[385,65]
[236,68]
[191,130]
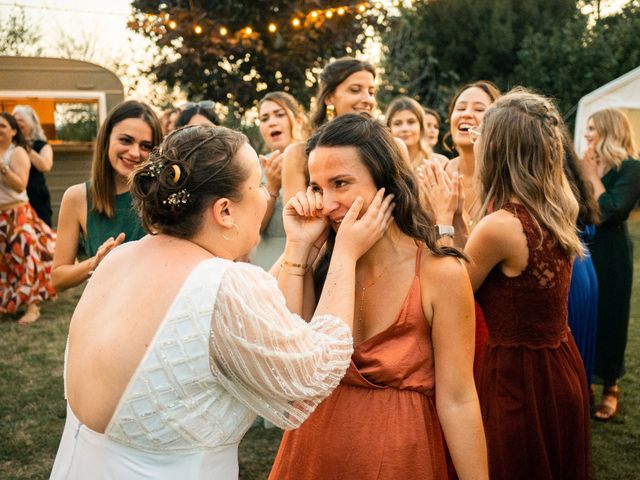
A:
[227,349]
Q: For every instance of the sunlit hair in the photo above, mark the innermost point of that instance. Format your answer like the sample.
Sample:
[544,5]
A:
[486,86]
[616,141]
[295,113]
[31,117]
[522,156]
[206,159]
[402,104]
[18,139]
[331,77]
[379,153]
[103,185]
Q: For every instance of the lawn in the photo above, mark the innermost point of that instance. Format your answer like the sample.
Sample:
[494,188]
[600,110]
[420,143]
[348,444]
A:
[32,407]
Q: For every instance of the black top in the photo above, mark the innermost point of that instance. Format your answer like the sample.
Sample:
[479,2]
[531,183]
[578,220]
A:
[37,189]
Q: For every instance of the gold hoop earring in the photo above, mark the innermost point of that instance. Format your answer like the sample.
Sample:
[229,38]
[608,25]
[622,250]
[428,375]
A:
[237,233]
[331,112]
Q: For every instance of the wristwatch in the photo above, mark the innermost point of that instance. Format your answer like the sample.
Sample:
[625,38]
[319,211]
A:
[445,230]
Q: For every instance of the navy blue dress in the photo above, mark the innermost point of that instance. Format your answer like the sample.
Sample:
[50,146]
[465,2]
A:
[583,304]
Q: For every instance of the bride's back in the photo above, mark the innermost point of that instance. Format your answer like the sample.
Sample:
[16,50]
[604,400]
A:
[116,319]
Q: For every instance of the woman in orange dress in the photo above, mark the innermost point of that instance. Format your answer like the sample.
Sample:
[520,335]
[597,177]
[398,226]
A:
[414,322]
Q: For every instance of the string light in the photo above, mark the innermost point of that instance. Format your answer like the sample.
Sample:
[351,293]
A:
[162,20]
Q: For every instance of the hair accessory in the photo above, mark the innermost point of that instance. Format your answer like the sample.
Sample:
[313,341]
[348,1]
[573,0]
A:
[176,173]
[155,168]
[180,197]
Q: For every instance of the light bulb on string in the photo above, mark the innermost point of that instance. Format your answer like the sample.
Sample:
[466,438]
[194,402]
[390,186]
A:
[314,14]
[248,31]
[341,11]
[172,25]
[295,22]
[223,31]
[362,8]
[197,29]
[329,14]
[272,27]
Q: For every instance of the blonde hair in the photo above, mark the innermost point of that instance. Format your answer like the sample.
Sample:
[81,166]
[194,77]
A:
[408,104]
[295,113]
[616,140]
[522,156]
[29,114]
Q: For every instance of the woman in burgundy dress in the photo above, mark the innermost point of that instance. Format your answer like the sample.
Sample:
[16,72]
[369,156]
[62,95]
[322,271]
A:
[531,385]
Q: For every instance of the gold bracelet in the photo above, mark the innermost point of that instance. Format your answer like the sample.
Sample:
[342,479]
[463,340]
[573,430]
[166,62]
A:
[289,272]
[286,263]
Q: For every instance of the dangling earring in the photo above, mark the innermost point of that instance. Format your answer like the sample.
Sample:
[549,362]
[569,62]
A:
[237,233]
[331,111]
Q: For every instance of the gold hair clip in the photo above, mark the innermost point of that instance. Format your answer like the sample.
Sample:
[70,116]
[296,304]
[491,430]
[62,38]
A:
[176,173]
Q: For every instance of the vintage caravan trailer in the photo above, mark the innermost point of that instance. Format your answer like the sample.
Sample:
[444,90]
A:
[72,98]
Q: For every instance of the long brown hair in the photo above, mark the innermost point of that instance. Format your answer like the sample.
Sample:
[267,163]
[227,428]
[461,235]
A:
[522,156]
[383,159]
[333,75]
[103,186]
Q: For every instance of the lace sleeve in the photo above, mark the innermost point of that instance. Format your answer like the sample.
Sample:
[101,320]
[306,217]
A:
[268,358]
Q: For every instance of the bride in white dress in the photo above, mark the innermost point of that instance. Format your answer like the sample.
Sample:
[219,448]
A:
[173,348]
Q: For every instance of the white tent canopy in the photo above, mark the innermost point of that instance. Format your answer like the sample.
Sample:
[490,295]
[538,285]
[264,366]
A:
[622,93]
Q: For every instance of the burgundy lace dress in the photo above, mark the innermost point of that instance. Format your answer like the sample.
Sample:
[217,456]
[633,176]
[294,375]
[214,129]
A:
[532,388]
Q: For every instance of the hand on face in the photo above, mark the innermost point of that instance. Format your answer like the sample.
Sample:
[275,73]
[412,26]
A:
[304,222]
[357,235]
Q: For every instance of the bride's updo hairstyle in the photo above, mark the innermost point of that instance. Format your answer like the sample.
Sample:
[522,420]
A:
[192,168]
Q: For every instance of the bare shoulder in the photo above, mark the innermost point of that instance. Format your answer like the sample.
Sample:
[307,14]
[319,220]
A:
[441,159]
[19,154]
[75,194]
[499,227]
[442,272]
[295,152]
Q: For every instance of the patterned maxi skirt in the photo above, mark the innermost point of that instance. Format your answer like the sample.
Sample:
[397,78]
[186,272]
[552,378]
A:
[26,258]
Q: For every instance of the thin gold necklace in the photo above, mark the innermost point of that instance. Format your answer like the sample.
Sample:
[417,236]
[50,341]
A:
[363,291]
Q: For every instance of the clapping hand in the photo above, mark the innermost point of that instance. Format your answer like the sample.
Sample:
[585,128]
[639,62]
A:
[272,166]
[108,245]
[445,194]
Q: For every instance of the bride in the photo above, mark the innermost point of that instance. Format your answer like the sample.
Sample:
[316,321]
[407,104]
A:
[173,348]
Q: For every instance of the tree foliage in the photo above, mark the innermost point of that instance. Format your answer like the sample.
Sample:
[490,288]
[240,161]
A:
[237,68]
[578,58]
[548,45]
[457,41]
[18,37]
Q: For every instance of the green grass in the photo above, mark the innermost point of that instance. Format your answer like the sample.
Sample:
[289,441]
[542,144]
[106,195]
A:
[32,407]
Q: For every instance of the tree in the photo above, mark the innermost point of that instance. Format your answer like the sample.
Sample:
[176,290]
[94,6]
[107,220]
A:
[578,58]
[228,63]
[17,37]
[445,43]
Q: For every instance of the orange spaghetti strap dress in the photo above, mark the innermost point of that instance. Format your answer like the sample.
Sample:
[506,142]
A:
[380,422]
[532,385]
